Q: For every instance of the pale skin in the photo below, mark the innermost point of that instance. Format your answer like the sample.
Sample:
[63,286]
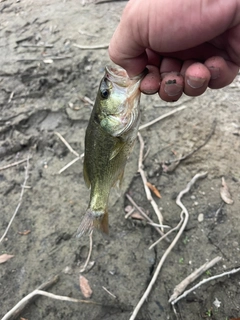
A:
[186,45]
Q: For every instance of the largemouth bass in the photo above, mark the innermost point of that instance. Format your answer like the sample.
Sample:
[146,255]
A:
[110,136]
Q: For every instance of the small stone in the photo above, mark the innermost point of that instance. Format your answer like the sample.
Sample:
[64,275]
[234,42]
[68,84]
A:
[217,303]
[200,217]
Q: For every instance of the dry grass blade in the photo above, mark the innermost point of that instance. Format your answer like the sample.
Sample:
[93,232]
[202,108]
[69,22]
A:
[110,293]
[20,200]
[5,257]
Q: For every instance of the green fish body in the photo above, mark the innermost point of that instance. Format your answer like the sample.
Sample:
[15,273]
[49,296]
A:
[110,135]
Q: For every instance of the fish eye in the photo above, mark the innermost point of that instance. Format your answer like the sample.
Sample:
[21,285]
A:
[105,93]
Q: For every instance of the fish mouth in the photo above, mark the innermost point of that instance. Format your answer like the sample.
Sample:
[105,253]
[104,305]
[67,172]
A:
[120,77]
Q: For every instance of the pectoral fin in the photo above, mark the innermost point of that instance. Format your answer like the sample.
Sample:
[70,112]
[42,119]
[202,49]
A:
[117,149]
[118,182]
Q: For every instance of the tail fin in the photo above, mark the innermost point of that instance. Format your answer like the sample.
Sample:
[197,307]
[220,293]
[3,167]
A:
[91,220]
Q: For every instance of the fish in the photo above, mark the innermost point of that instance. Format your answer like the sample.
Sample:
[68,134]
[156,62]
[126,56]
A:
[109,140]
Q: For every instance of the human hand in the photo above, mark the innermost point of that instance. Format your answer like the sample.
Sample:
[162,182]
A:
[186,45]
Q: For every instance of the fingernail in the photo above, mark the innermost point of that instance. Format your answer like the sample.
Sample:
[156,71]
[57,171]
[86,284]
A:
[195,82]
[215,72]
[172,89]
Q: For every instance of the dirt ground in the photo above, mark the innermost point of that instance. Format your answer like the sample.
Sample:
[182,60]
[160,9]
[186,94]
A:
[43,79]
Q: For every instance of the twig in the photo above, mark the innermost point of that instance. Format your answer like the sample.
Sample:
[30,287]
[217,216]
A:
[11,96]
[198,148]
[44,58]
[66,144]
[144,214]
[167,234]
[186,190]
[89,253]
[37,45]
[101,46]
[14,164]
[127,215]
[20,200]
[16,311]
[71,163]
[205,281]
[162,117]
[144,179]
[192,277]
[71,150]
[171,246]
[111,294]
[46,294]
[88,34]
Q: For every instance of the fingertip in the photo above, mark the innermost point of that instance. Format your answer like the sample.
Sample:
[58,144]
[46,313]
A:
[151,82]
[171,87]
[197,77]
[222,72]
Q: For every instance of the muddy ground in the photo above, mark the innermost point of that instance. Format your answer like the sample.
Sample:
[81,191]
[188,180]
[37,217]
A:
[43,78]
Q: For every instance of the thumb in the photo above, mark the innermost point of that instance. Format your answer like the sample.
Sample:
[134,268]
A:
[134,59]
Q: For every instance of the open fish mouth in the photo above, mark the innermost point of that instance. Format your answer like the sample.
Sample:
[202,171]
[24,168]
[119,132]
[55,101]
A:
[119,76]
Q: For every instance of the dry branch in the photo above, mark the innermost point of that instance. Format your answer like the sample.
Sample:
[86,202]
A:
[21,305]
[17,309]
[145,184]
[169,249]
[14,164]
[227,273]
[66,144]
[192,277]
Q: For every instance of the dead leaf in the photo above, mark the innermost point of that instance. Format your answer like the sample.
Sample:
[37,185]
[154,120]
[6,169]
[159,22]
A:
[225,194]
[136,215]
[5,257]
[85,287]
[24,233]
[154,189]
[23,318]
